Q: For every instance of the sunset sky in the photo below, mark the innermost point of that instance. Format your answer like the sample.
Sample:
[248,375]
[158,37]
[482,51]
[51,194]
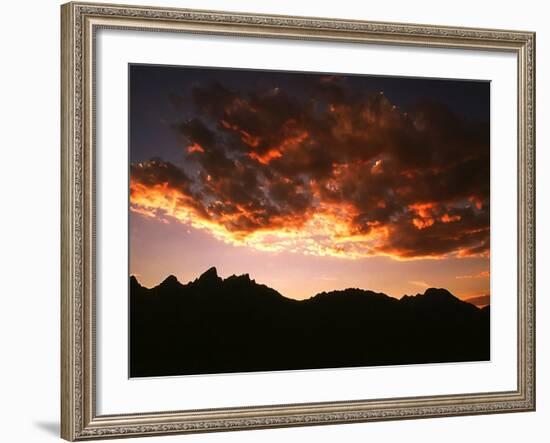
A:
[310,182]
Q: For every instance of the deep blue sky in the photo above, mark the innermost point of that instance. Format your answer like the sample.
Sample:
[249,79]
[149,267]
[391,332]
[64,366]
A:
[152,86]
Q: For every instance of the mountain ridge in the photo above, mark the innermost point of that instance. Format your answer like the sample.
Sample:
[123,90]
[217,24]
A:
[213,325]
[211,274]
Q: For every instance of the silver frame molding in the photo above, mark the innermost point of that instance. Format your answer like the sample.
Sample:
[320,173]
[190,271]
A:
[79,22]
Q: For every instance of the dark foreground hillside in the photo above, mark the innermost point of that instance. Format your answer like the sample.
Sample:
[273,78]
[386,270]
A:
[212,325]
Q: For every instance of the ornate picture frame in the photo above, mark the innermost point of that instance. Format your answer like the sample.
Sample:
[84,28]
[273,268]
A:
[80,23]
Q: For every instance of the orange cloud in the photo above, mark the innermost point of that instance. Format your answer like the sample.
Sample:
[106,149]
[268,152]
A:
[482,274]
[476,201]
[328,172]
[267,157]
[424,211]
[328,229]
[446,218]
[422,223]
[326,232]
[195,147]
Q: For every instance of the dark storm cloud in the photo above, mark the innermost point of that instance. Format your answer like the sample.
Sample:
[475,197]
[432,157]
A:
[373,178]
[157,171]
[195,131]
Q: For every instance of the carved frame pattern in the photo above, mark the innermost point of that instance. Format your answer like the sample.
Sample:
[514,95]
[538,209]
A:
[79,23]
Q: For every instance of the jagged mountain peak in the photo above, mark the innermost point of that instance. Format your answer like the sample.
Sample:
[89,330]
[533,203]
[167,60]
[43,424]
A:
[241,277]
[210,274]
[211,282]
[170,282]
[170,279]
[438,293]
[210,271]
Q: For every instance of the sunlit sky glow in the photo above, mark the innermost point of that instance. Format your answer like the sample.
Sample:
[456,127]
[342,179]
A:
[310,182]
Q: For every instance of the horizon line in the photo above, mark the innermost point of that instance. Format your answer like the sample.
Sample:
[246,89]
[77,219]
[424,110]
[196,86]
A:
[312,296]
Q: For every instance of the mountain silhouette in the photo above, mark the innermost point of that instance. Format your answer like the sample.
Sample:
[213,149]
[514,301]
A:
[214,325]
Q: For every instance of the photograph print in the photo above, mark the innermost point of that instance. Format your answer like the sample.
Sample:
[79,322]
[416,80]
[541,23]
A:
[298,220]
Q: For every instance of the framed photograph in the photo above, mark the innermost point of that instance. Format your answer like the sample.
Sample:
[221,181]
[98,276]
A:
[282,221]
